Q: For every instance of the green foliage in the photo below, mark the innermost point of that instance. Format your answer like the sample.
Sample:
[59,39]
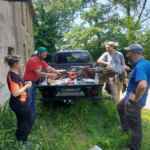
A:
[85,38]
[130,25]
[127,3]
[145,41]
[52,20]
[100,24]
[87,24]
[75,127]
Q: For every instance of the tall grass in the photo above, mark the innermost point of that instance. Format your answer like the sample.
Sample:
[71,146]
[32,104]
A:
[75,127]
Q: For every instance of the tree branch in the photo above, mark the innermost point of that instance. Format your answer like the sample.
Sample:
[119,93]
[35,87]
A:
[141,13]
[145,19]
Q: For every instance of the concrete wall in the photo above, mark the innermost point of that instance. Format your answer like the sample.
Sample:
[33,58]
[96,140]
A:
[15,32]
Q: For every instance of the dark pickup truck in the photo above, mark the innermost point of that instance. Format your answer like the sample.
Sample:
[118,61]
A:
[79,80]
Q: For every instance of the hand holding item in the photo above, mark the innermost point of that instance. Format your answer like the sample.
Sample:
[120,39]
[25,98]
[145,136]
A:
[131,104]
[61,71]
[132,96]
[52,76]
[28,84]
[109,67]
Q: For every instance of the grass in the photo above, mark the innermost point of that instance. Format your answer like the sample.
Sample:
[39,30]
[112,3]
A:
[75,127]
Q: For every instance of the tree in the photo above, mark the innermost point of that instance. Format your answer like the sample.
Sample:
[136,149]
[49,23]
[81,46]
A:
[135,15]
[118,20]
[95,22]
[99,24]
[53,18]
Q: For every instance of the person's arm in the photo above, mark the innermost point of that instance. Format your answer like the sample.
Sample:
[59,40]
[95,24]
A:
[46,74]
[17,91]
[123,61]
[140,90]
[127,68]
[52,70]
[141,79]
[101,60]
[56,71]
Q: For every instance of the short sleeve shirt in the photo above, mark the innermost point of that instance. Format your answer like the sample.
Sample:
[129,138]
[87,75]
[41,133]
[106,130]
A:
[32,65]
[116,60]
[141,71]
[15,82]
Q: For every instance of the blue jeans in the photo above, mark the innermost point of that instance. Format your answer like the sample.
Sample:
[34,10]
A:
[32,96]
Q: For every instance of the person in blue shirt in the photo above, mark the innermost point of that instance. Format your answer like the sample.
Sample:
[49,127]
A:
[129,108]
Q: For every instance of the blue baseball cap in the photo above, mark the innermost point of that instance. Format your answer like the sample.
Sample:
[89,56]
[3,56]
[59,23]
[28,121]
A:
[137,48]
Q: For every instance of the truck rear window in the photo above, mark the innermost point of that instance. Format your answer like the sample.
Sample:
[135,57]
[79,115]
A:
[72,57]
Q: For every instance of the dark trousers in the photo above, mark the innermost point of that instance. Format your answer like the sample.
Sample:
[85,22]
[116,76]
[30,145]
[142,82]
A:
[24,119]
[130,118]
[31,97]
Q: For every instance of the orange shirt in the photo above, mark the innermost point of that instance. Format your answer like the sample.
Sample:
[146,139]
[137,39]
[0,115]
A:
[15,83]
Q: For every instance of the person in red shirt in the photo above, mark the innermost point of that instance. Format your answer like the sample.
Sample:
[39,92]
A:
[35,69]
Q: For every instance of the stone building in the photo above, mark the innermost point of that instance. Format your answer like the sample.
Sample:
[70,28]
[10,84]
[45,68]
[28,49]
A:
[16,34]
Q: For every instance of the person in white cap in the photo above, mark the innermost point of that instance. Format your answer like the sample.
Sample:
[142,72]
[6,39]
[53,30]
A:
[113,61]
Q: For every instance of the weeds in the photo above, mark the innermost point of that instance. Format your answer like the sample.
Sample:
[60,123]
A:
[75,127]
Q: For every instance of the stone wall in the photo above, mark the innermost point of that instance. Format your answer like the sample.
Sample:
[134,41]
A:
[16,35]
